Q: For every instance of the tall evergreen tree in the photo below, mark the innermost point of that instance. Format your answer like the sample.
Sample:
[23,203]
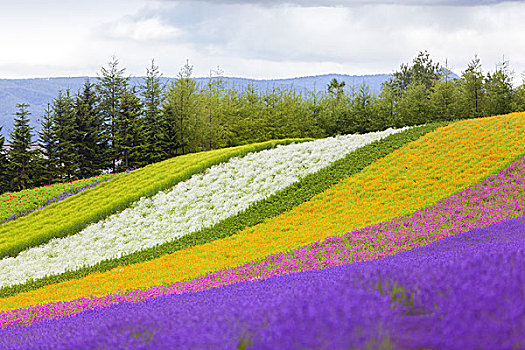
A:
[364,111]
[90,144]
[414,105]
[47,150]
[386,105]
[4,166]
[472,93]
[110,86]
[212,96]
[151,92]
[128,142]
[423,71]
[519,97]
[499,91]
[179,112]
[20,153]
[444,101]
[65,133]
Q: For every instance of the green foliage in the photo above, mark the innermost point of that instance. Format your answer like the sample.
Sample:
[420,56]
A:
[422,72]
[414,105]
[129,131]
[89,143]
[274,205]
[4,179]
[75,213]
[65,134]
[110,86]
[472,94]
[151,92]
[499,90]
[47,144]
[20,155]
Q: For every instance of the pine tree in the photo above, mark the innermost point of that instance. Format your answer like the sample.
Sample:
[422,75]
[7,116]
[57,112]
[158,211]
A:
[212,96]
[519,97]
[65,134]
[4,166]
[47,144]
[386,104]
[364,111]
[444,101]
[499,91]
[110,87]
[90,144]
[151,92]
[20,153]
[128,142]
[472,94]
[414,105]
[423,71]
[179,112]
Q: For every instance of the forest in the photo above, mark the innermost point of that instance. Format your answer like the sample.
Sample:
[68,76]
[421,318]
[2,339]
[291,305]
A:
[110,126]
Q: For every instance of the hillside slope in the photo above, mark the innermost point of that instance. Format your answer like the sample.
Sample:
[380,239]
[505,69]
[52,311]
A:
[413,177]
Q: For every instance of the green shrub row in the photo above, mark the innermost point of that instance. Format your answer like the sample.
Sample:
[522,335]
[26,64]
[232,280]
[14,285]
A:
[274,205]
[77,212]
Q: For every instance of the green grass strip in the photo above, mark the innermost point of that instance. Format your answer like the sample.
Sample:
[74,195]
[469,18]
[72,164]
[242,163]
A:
[274,205]
[77,212]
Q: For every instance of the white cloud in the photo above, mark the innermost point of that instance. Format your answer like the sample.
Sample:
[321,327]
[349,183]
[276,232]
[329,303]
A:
[141,30]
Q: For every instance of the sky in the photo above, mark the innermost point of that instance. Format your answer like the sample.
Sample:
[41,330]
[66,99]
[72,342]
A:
[260,39]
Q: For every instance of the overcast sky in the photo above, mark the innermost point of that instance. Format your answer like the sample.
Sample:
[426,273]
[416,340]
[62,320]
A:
[255,38]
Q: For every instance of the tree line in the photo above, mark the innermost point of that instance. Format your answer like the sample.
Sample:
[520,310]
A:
[110,126]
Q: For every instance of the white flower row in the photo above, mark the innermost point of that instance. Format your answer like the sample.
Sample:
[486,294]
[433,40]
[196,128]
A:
[202,201]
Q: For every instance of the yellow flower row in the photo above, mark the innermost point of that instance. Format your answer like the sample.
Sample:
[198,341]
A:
[413,177]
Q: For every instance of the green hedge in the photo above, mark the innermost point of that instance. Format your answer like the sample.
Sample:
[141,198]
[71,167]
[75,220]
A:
[77,212]
[274,205]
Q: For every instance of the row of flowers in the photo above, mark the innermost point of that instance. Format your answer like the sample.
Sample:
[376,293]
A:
[203,200]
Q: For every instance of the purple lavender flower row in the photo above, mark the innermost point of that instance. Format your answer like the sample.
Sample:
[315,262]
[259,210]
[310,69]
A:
[463,292]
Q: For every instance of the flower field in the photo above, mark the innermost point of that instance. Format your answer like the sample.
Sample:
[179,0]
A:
[421,246]
[15,205]
[201,201]
[77,212]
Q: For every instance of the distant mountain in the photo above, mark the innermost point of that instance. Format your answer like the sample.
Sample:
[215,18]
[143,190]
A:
[39,92]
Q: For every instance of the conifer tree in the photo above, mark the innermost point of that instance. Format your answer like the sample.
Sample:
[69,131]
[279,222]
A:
[20,153]
[212,96]
[151,92]
[386,105]
[414,105]
[4,166]
[47,148]
[65,134]
[472,94]
[110,86]
[179,112]
[519,97]
[499,91]
[128,139]
[90,144]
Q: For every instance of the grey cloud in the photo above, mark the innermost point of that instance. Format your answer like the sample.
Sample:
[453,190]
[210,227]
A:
[352,3]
